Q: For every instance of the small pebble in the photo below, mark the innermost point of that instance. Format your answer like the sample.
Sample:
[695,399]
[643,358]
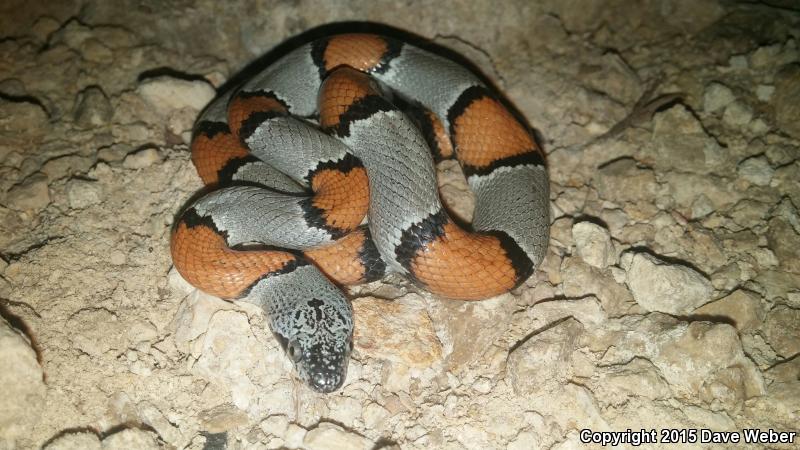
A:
[142,158]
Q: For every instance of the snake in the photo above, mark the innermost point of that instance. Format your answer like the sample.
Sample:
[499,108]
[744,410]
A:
[320,171]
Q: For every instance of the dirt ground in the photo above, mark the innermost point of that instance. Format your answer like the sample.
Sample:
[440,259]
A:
[669,299]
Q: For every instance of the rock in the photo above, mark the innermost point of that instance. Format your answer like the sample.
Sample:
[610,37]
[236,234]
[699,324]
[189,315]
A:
[142,158]
[222,418]
[622,181]
[343,409]
[374,416]
[231,356]
[275,425]
[782,329]
[75,441]
[741,307]
[398,330]
[705,361]
[764,92]
[131,438]
[31,194]
[787,100]
[295,434]
[193,315]
[702,362]
[680,142]
[716,97]
[167,94]
[764,55]
[587,311]
[23,389]
[701,207]
[785,242]
[684,189]
[782,403]
[618,384]
[65,166]
[92,108]
[614,77]
[525,440]
[13,87]
[738,62]
[21,119]
[581,280]
[328,436]
[544,362]
[467,329]
[593,244]
[659,286]
[82,194]
[471,436]
[737,114]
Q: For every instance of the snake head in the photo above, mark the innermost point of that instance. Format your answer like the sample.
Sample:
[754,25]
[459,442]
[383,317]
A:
[320,348]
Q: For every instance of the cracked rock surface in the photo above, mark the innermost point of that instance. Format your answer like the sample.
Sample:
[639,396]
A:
[669,297]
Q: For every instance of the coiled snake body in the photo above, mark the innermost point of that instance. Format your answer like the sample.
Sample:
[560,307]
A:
[287,224]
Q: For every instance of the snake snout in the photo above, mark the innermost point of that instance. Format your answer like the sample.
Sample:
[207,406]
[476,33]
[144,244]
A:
[326,368]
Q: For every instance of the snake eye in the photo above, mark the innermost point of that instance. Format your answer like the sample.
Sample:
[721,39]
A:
[293,352]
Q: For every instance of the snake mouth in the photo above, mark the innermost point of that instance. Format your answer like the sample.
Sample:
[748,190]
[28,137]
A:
[324,367]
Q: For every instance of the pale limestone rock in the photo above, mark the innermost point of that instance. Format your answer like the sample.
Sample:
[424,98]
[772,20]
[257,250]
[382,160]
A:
[716,97]
[703,363]
[344,409]
[399,330]
[66,166]
[222,418]
[31,194]
[22,388]
[92,108]
[141,159]
[782,329]
[131,438]
[659,286]
[467,329]
[544,362]
[328,436]
[593,244]
[680,142]
[374,415]
[586,310]
[75,441]
[152,416]
[167,94]
[525,440]
[275,425]
[21,120]
[737,114]
[231,356]
[616,78]
[581,280]
[785,242]
[193,316]
[756,170]
[472,437]
[764,92]
[787,100]
[742,307]
[97,331]
[617,384]
[781,404]
[622,181]
[82,194]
